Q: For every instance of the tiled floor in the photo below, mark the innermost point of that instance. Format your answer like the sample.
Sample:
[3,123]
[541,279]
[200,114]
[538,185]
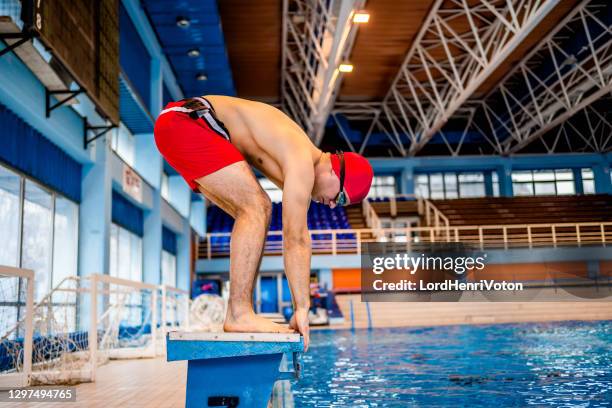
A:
[151,383]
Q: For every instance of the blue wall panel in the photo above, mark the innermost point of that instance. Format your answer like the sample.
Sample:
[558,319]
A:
[126,214]
[25,149]
[134,58]
[168,240]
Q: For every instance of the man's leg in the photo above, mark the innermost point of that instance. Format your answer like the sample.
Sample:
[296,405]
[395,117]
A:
[236,190]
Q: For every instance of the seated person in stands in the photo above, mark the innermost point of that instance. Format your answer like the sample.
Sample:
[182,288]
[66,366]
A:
[213,149]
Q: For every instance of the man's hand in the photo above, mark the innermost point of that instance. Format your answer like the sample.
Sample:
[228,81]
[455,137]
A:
[299,321]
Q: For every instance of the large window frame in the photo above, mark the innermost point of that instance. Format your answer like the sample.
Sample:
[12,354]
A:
[53,277]
[383,186]
[168,275]
[446,185]
[539,182]
[119,261]
[588,180]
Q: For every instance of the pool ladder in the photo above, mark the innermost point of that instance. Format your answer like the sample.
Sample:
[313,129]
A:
[367,304]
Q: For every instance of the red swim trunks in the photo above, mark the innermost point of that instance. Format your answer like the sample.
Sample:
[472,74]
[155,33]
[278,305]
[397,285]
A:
[194,147]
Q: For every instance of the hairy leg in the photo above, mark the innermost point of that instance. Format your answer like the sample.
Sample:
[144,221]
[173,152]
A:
[236,190]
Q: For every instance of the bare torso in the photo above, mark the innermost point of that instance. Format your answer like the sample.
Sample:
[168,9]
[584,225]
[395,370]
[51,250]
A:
[263,134]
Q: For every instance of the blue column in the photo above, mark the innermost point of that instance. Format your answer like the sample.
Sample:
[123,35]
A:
[183,257]
[180,194]
[152,242]
[197,217]
[504,174]
[148,161]
[578,180]
[407,180]
[488,180]
[601,173]
[95,219]
[157,86]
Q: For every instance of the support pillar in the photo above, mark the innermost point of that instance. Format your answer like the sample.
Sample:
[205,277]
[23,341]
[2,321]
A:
[407,181]
[183,257]
[601,174]
[152,243]
[504,174]
[94,220]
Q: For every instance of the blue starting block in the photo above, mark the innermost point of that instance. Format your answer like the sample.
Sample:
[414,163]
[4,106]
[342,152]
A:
[233,369]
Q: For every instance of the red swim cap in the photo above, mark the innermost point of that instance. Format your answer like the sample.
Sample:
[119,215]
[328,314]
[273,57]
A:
[357,175]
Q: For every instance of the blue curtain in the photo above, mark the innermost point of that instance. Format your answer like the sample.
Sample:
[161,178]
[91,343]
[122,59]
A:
[168,240]
[28,151]
[134,57]
[126,214]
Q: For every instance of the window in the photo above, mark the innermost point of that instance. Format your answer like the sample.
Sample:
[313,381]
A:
[421,185]
[65,240]
[383,186]
[126,263]
[543,182]
[165,186]
[168,269]
[37,238]
[522,183]
[495,180]
[124,144]
[471,185]
[39,231]
[588,181]
[450,185]
[275,193]
[564,182]
[10,196]
[436,186]
[125,254]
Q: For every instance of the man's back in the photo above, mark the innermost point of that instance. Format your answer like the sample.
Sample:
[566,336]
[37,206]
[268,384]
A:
[263,134]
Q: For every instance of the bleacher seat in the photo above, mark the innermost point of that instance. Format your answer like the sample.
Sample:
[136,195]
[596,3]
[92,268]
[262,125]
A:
[527,210]
[320,216]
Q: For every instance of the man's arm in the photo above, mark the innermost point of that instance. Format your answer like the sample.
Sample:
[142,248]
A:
[298,182]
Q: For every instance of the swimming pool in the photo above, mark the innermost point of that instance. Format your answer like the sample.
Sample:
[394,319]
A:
[544,364]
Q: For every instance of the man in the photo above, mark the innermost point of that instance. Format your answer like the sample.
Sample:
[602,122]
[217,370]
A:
[213,149]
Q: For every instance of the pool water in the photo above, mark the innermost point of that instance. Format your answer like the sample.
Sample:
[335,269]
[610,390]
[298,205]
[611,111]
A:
[546,364]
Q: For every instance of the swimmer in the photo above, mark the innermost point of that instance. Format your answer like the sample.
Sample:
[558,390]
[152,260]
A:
[213,141]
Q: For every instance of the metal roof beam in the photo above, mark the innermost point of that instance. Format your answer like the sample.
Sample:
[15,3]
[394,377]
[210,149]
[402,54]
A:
[438,88]
[317,36]
[535,104]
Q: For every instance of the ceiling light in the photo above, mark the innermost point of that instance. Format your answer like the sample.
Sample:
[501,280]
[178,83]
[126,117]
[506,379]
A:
[345,67]
[201,76]
[182,22]
[194,52]
[361,17]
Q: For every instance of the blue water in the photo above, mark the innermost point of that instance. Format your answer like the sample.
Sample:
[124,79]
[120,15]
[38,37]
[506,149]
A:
[547,364]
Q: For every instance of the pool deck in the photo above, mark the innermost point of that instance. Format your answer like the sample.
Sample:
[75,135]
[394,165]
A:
[151,383]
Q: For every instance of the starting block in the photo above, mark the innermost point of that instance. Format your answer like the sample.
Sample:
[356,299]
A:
[233,369]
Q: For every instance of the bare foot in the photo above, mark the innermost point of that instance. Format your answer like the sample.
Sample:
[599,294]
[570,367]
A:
[252,323]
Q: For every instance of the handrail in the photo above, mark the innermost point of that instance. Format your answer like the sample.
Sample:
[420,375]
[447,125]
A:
[499,235]
[438,217]
[371,218]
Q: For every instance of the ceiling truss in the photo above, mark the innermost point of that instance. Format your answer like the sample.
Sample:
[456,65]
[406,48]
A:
[458,48]
[317,36]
